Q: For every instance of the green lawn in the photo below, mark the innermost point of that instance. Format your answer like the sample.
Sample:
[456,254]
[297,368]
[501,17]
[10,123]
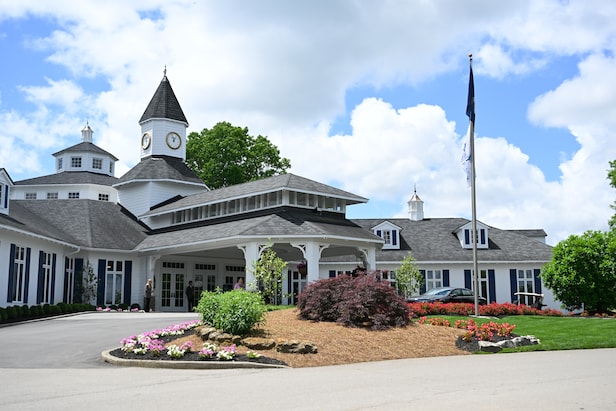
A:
[559,333]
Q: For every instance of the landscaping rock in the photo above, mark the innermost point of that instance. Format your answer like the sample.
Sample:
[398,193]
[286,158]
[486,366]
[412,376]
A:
[296,347]
[487,346]
[204,332]
[255,343]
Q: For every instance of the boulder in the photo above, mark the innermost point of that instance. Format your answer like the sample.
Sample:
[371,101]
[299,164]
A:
[255,343]
[487,346]
[296,347]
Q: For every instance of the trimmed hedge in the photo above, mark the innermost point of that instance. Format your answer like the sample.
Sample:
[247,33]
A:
[24,312]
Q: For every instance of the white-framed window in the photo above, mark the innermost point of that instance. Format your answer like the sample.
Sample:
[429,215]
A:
[526,284]
[97,163]
[114,282]
[60,163]
[30,196]
[111,167]
[483,284]
[76,162]
[69,273]
[52,196]
[73,195]
[46,274]
[434,279]
[482,238]
[103,197]
[19,271]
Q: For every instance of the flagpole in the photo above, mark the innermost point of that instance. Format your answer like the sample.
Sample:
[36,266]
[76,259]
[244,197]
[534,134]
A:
[470,111]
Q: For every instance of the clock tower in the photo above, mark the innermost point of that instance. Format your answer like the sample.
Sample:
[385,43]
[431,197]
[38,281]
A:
[163,125]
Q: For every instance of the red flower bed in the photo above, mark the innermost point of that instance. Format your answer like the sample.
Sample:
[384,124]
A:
[466,309]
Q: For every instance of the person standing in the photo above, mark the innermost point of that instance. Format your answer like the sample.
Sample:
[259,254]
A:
[239,285]
[190,296]
[148,292]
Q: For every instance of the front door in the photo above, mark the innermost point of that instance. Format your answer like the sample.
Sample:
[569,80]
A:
[172,291]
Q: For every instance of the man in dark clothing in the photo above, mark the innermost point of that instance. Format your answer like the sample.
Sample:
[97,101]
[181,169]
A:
[190,295]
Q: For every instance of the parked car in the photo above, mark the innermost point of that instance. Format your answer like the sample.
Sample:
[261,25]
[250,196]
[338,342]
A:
[447,295]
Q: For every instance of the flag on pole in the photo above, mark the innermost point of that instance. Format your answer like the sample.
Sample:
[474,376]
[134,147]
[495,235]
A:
[470,103]
[466,160]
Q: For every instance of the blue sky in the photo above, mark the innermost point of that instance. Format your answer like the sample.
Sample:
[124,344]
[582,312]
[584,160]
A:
[367,96]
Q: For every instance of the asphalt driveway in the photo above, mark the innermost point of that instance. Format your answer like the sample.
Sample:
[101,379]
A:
[55,365]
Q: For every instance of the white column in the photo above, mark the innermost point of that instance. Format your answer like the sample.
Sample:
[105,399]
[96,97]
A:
[252,251]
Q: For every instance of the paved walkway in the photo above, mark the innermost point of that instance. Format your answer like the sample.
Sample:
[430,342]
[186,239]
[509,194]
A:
[55,365]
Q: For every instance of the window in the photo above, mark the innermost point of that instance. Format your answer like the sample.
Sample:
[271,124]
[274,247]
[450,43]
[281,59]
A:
[69,274]
[386,235]
[45,276]
[211,283]
[97,163]
[111,168]
[434,279]
[73,195]
[30,196]
[76,162]
[483,284]
[52,196]
[60,165]
[526,284]
[103,197]
[19,271]
[114,282]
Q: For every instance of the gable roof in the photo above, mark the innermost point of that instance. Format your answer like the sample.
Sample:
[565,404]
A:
[71,177]
[433,239]
[160,168]
[265,185]
[164,104]
[85,223]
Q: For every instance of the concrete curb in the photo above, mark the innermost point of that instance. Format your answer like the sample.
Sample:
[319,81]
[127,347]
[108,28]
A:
[184,365]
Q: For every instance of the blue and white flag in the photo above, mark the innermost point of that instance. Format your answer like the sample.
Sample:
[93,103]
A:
[466,160]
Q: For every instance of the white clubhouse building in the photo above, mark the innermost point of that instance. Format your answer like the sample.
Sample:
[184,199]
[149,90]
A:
[161,221]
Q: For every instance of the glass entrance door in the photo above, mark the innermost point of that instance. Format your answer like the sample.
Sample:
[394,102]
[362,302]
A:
[172,292]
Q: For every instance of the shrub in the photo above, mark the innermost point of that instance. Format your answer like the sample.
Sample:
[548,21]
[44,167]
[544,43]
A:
[320,300]
[235,312]
[11,313]
[466,309]
[36,311]
[3,315]
[18,312]
[355,302]
[25,311]
[46,309]
[64,308]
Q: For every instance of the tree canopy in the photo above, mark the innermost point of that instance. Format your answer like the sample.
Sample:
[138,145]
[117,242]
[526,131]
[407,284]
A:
[582,272]
[226,155]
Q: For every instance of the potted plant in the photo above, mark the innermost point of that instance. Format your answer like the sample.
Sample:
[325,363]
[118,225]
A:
[302,267]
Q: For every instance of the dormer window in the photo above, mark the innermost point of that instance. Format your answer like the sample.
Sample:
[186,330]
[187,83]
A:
[60,164]
[76,162]
[390,234]
[465,236]
[97,163]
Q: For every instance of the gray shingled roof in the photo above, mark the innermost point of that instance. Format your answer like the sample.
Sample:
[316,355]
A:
[71,177]
[86,223]
[86,147]
[285,221]
[164,104]
[265,185]
[433,239]
[161,168]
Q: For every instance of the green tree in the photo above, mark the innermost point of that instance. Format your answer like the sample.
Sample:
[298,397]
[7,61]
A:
[408,277]
[269,273]
[226,155]
[582,272]
[611,175]
[86,291]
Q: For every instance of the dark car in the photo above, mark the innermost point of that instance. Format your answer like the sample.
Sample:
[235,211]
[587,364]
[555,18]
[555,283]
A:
[447,295]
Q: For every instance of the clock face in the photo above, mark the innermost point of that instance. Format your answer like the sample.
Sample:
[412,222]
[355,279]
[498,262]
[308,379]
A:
[146,140]
[174,141]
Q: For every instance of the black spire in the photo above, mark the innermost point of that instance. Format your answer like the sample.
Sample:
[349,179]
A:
[164,104]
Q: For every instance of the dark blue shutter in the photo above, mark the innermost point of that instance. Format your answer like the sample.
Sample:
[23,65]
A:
[53,278]
[468,281]
[483,235]
[394,237]
[378,232]
[100,289]
[492,286]
[513,282]
[445,278]
[128,271]
[422,288]
[27,275]
[6,196]
[536,273]
[77,286]
[11,280]
[41,279]
[467,236]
